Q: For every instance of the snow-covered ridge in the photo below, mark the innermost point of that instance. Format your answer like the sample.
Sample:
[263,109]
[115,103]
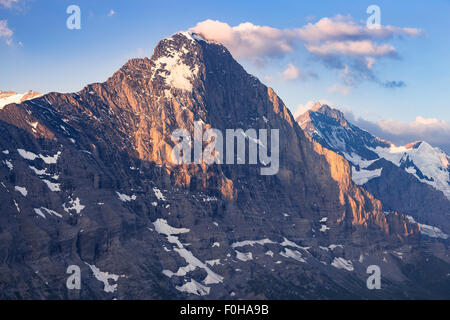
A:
[341,263]
[8,97]
[430,231]
[363,176]
[428,164]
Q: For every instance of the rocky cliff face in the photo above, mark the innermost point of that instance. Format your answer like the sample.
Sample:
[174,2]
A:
[87,180]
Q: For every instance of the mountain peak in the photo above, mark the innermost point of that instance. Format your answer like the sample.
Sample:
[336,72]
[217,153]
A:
[318,107]
[328,111]
[329,127]
[177,63]
[414,145]
[184,41]
[324,111]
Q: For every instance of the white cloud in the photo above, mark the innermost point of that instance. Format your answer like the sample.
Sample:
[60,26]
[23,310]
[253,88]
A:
[247,40]
[302,108]
[8,3]
[328,35]
[432,130]
[339,88]
[291,73]
[339,42]
[370,62]
[420,126]
[330,29]
[352,48]
[341,28]
[111,13]
[5,32]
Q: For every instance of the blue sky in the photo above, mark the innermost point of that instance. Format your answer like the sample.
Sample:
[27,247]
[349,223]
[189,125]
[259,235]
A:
[43,55]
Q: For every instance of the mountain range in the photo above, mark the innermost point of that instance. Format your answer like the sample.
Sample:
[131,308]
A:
[413,179]
[87,181]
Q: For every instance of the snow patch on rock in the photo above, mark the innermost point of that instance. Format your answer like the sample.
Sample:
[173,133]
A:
[105,277]
[125,198]
[22,190]
[341,263]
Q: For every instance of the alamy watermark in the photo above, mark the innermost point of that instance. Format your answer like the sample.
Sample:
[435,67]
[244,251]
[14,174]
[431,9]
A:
[74,280]
[73,22]
[374,21]
[259,148]
[374,280]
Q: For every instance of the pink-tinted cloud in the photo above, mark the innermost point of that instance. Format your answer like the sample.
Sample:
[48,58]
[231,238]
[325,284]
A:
[339,88]
[342,28]
[364,48]
[434,131]
[5,32]
[302,108]
[247,40]
[291,73]
[8,3]
[326,29]
[339,42]
[353,49]
[420,126]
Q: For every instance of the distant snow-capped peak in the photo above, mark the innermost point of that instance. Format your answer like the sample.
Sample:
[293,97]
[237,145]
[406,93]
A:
[329,127]
[428,164]
[7,97]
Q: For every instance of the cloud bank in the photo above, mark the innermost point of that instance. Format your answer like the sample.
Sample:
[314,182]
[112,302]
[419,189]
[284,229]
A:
[248,41]
[338,42]
[434,131]
[293,73]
